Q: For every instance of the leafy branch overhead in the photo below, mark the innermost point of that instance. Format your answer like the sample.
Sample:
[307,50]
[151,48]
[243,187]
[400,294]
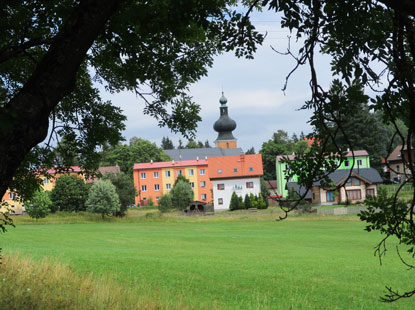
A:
[371,45]
[52,53]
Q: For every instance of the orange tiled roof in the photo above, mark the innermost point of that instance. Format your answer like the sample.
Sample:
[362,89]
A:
[235,166]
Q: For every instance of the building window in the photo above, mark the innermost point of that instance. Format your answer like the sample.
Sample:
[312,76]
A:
[355,181]
[157,198]
[168,186]
[370,192]
[235,169]
[144,199]
[190,172]
[330,196]
[203,197]
[167,173]
[156,174]
[346,163]
[314,196]
[192,184]
[156,187]
[249,184]
[202,171]
[354,194]
[359,162]
[12,196]
[221,187]
[179,172]
[219,170]
[398,168]
[202,183]
[143,175]
[251,168]
[143,188]
[220,201]
[45,181]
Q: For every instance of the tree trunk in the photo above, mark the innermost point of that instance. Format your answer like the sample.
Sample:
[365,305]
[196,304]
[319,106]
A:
[25,118]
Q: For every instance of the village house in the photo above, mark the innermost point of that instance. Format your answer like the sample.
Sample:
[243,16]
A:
[397,165]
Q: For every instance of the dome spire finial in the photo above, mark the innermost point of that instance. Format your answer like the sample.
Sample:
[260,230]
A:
[223,99]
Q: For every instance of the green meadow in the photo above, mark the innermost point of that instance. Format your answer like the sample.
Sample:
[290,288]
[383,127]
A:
[236,260]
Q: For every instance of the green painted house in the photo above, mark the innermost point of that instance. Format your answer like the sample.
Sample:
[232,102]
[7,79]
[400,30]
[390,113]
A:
[361,158]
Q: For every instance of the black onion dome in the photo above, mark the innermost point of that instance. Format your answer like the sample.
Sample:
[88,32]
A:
[224,125]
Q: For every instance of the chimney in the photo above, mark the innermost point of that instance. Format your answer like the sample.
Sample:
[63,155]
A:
[151,161]
[197,158]
[348,150]
[172,161]
[180,156]
[205,157]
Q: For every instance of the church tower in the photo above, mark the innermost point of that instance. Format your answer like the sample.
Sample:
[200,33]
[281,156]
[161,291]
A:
[224,126]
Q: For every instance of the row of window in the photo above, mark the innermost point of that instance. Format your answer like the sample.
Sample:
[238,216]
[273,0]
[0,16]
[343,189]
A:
[359,163]
[221,186]
[236,170]
[167,173]
[168,186]
[354,194]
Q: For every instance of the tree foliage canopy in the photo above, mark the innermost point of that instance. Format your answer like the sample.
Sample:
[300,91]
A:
[371,45]
[103,199]
[181,195]
[69,194]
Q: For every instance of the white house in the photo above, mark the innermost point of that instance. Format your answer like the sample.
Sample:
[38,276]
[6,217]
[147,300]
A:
[240,174]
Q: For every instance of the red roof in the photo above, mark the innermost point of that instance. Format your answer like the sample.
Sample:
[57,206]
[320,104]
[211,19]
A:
[357,153]
[171,164]
[235,166]
[104,170]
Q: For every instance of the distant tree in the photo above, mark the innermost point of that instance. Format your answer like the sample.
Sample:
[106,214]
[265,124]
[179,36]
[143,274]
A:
[294,138]
[103,199]
[181,177]
[200,144]
[234,204]
[165,204]
[39,206]
[254,200]
[247,202]
[124,186]
[261,202]
[139,151]
[241,202]
[364,130]
[250,151]
[191,144]
[207,145]
[181,195]
[166,143]
[69,194]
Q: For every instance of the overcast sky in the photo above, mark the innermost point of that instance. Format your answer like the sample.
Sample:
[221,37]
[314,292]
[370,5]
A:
[252,87]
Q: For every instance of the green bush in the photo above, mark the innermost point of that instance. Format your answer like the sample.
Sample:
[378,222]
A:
[181,195]
[103,199]
[165,204]
[69,194]
[247,202]
[262,204]
[234,204]
[254,202]
[126,191]
[39,206]
[150,202]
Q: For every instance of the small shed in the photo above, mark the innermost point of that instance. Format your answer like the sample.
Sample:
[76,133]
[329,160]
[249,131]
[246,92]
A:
[199,208]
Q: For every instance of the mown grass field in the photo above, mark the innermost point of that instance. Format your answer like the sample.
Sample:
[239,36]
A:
[227,261]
